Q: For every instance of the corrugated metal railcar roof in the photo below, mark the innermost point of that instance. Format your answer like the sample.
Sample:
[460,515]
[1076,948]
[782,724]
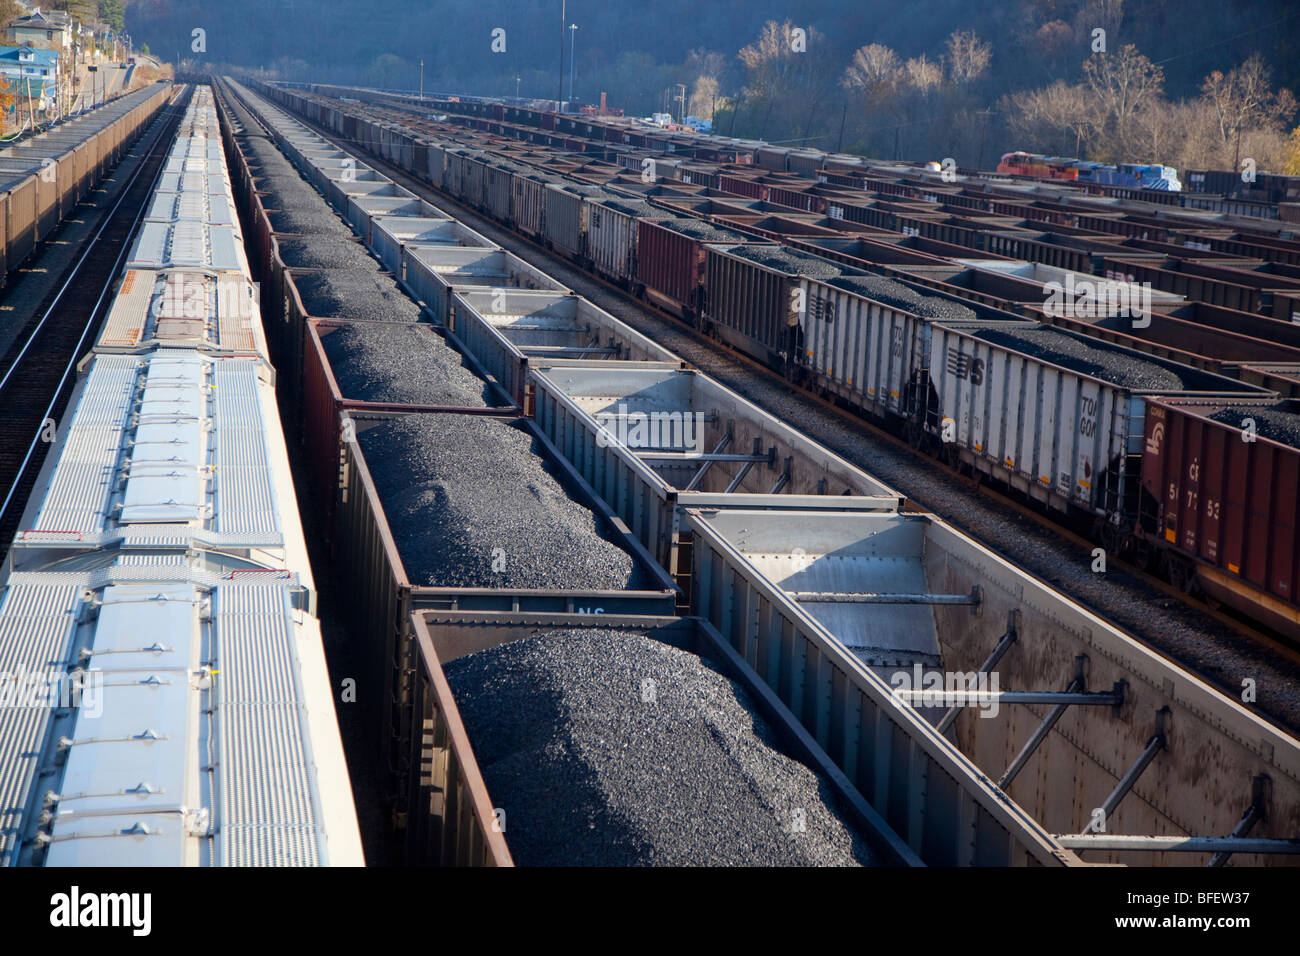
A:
[189,742]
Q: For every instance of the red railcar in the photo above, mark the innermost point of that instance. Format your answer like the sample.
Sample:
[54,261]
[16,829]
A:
[1222,498]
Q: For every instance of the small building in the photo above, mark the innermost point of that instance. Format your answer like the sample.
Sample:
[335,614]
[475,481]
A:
[52,30]
[32,70]
[23,91]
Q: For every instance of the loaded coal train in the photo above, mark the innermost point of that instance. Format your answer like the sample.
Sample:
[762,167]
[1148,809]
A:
[798,575]
[1084,427]
[1219,190]
[44,177]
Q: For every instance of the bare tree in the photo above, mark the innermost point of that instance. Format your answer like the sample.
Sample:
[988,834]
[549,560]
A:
[923,75]
[766,61]
[1123,82]
[1244,99]
[706,63]
[779,70]
[873,80]
[704,97]
[1106,14]
[1157,128]
[968,56]
[704,70]
[1043,118]
[874,72]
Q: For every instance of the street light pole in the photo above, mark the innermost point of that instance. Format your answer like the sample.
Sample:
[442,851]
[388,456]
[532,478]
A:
[421,80]
[1236,158]
[559,98]
[573,34]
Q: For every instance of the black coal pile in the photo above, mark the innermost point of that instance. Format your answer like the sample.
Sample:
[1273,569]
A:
[583,190]
[1099,360]
[607,748]
[302,219]
[276,174]
[902,297]
[701,229]
[788,261]
[636,207]
[407,364]
[326,252]
[472,504]
[354,295]
[1279,423]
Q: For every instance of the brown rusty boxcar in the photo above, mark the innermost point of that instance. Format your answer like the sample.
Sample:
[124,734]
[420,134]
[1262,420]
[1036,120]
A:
[1221,496]
[670,266]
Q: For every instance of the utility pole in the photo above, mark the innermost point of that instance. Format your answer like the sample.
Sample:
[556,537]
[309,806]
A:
[984,129]
[1236,158]
[559,101]
[844,113]
[681,102]
[573,33]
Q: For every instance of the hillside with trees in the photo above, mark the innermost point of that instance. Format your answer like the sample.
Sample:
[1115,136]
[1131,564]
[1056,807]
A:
[1189,83]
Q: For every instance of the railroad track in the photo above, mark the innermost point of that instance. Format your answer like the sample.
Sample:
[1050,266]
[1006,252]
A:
[1282,659]
[39,369]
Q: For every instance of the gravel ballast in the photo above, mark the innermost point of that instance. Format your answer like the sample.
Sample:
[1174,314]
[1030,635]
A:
[472,504]
[590,772]
[406,364]
[1100,360]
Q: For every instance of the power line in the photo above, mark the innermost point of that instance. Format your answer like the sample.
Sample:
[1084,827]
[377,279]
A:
[1266,26]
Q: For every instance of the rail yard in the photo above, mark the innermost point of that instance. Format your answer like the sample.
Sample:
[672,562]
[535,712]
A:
[634,497]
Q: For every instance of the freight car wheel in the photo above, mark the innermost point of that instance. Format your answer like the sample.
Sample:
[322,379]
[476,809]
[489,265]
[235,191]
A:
[1111,539]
